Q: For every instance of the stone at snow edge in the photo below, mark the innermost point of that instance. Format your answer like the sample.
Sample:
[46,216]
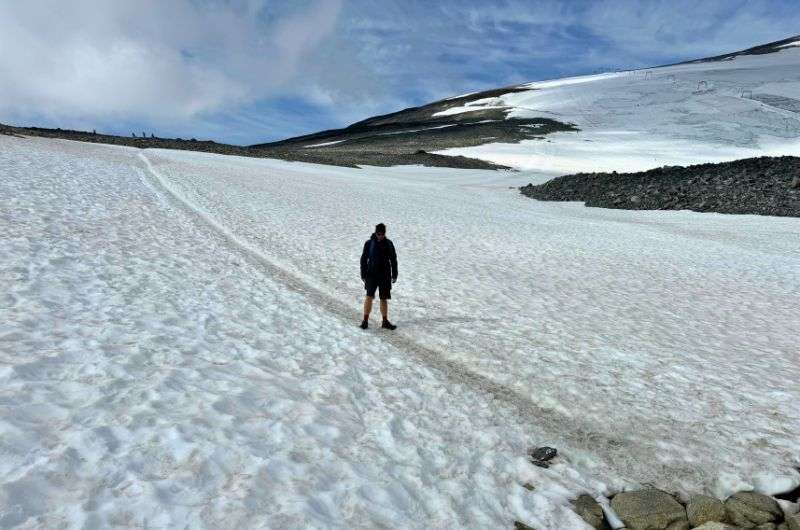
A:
[704,509]
[772,526]
[759,501]
[680,525]
[766,526]
[649,509]
[590,511]
[748,509]
[715,526]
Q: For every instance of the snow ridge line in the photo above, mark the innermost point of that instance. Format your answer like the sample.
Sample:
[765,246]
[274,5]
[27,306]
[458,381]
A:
[566,431]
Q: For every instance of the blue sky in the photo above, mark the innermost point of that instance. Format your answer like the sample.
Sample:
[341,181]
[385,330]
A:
[254,70]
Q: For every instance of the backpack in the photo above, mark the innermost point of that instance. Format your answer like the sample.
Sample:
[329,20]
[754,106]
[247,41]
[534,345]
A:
[371,256]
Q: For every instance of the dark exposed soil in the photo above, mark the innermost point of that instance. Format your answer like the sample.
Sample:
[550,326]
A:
[759,186]
[409,132]
[390,144]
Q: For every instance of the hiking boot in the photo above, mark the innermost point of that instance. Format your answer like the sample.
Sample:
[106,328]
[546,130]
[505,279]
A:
[364,324]
[388,325]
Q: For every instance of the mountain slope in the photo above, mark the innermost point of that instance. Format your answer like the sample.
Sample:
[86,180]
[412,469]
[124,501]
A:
[721,108]
[407,136]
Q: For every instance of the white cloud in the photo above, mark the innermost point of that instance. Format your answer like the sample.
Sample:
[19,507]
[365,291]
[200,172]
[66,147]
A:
[151,60]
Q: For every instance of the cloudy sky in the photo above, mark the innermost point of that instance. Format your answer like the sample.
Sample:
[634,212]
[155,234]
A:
[256,70]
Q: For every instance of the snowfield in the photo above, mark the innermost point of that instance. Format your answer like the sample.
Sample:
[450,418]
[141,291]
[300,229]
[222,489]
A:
[179,346]
[637,120]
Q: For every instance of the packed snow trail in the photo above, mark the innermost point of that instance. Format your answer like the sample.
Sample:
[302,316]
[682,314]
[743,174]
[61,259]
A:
[153,375]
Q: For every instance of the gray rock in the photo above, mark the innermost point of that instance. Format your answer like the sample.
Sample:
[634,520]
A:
[783,526]
[703,509]
[748,509]
[680,525]
[590,511]
[793,521]
[754,186]
[649,509]
[543,454]
[716,526]
[766,526]
[795,183]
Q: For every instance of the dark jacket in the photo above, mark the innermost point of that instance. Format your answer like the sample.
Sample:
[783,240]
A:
[382,264]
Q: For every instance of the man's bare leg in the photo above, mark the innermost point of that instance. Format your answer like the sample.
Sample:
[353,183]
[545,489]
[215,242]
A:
[367,311]
[385,313]
[368,306]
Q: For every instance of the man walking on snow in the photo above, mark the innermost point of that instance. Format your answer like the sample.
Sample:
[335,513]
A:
[378,271]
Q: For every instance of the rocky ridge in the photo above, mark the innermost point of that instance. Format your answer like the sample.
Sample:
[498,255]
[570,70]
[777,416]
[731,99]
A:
[758,186]
[362,154]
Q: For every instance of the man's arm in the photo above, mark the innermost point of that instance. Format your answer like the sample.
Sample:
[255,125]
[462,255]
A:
[393,257]
[364,254]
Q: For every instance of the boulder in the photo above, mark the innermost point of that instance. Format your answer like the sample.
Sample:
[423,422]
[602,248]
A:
[748,509]
[793,521]
[766,526]
[680,525]
[703,509]
[795,183]
[715,526]
[590,511]
[649,509]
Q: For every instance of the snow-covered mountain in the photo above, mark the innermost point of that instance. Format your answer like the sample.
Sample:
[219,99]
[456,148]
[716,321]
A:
[732,106]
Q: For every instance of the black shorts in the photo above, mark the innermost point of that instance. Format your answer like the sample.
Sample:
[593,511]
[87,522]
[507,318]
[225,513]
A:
[383,285]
